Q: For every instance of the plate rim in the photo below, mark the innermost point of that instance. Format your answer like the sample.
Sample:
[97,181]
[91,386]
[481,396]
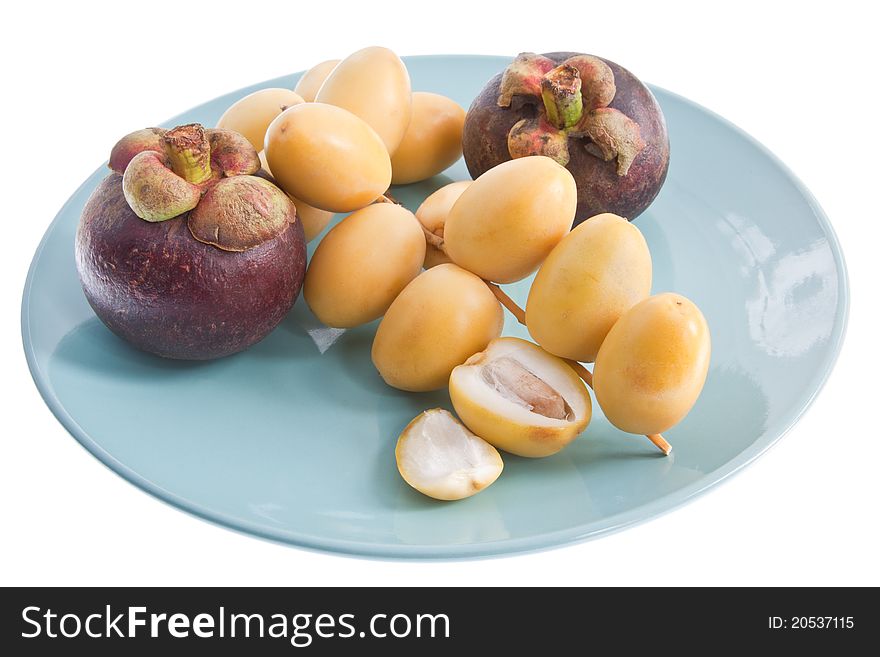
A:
[442,551]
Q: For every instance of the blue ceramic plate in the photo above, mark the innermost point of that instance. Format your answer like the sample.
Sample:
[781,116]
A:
[298,442]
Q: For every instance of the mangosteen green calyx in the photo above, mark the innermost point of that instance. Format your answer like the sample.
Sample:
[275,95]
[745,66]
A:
[184,250]
[587,113]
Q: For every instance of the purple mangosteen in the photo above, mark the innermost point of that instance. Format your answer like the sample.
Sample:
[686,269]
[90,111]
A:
[183,251]
[589,114]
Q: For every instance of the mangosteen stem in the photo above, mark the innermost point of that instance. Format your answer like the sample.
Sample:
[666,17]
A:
[581,371]
[189,152]
[561,93]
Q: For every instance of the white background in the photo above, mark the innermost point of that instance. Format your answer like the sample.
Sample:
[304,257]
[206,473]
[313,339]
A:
[801,78]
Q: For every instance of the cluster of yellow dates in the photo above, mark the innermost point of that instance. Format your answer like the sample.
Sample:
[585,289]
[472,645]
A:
[348,130]
[589,302]
[337,142]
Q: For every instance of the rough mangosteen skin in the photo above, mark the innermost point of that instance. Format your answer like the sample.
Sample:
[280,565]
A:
[156,286]
[600,189]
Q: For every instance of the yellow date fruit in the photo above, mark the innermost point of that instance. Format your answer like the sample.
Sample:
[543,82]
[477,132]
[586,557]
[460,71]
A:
[252,115]
[311,80]
[506,223]
[313,219]
[373,84]
[363,263]
[520,398]
[596,273]
[432,215]
[432,142]
[327,157]
[652,366]
[444,316]
[439,457]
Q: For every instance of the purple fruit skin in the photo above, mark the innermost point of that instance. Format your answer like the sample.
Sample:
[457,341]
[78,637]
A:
[156,286]
[600,189]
